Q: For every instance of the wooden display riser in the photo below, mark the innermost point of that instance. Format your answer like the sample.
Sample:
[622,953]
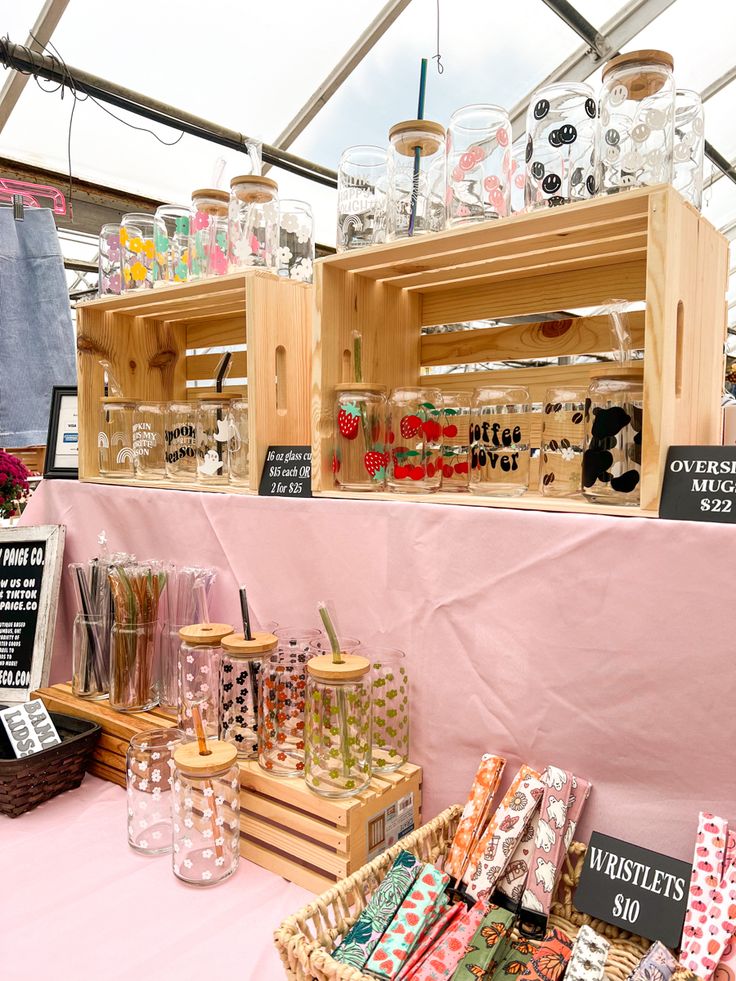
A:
[284,827]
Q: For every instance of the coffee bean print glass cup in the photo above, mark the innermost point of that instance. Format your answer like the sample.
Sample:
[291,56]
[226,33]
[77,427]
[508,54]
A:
[561,444]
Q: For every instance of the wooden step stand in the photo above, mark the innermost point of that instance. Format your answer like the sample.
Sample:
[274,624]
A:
[641,245]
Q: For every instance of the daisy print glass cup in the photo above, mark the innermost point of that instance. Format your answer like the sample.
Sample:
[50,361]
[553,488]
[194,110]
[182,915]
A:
[562,441]
[137,233]
[200,657]
[296,241]
[149,766]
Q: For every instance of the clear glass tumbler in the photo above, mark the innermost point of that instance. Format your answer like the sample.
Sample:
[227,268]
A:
[478,164]
[337,760]
[455,441]
[296,240]
[518,174]
[213,437]
[561,128]
[171,258]
[500,430]
[359,459]
[180,440]
[115,437]
[208,233]
[689,146]
[361,195]
[200,658]
[416,179]
[148,440]
[237,447]
[205,813]
[390,700]
[253,223]
[242,663]
[414,423]
[90,654]
[613,434]
[562,441]
[109,264]
[149,769]
[137,234]
[169,644]
[133,674]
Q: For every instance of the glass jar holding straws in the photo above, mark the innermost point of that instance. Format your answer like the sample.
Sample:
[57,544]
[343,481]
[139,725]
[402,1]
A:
[205,811]
[361,197]
[500,430]
[109,264]
[208,233]
[561,443]
[149,766]
[200,658]
[136,592]
[137,234]
[689,146]
[455,441]
[148,440]
[637,115]
[115,437]
[253,223]
[243,656]
[171,258]
[560,128]
[182,605]
[180,441]
[478,164]
[414,424]
[416,179]
[91,631]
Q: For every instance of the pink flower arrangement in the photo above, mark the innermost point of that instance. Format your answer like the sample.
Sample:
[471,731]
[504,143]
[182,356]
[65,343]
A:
[13,484]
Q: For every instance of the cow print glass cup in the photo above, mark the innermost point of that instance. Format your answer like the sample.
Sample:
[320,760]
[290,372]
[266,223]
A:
[560,126]
[613,433]
[561,445]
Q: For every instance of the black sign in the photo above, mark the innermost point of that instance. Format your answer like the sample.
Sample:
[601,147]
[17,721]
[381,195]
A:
[700,484]
[634,889]
[287,472]
[21,574]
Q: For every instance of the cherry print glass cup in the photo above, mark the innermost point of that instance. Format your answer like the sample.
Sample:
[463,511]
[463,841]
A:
[149,765]
[455,441]
[560,126]
[561,444]
[478,164]
[500,423]
[414,422]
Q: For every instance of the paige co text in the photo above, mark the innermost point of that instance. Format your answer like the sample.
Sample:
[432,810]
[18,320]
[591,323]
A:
[488,440]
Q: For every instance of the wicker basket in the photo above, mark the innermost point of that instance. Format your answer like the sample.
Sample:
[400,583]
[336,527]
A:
[305,940]
[28,782]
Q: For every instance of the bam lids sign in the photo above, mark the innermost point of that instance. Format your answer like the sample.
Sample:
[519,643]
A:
[633,888]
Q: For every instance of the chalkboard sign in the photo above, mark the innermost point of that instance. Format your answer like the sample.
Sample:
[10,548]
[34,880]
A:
[30,728]
[30,574]
[634,889]
[700,484]
[287,472]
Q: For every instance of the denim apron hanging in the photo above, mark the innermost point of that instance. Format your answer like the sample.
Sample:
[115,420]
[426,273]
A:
[37,347]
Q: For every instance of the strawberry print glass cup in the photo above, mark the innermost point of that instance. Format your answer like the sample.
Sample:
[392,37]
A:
[455,441]
[478,164]
[414,422]
[359,458]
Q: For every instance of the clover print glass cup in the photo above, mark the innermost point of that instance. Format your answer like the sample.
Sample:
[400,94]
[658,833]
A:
[208,233]
[390,701]
[206,813]
[416,201]
[109,262]
[115,437]
[361,195]
[500,424]
[253,223]
[242,663]
[414,422]
[213,437]
[180,441]
[455,441]
[296,240]
[237,447]
[635,131]
[338,751]
[359,457]
[561,443]
[613,432]
[148,440]
[171,241]
[478,164]
[137,234]
[200,656]
[149,767]
[689,146]
[561,128]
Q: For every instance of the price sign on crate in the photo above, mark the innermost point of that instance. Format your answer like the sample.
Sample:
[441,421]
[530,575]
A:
[700,484]
[287,472]
[634,889]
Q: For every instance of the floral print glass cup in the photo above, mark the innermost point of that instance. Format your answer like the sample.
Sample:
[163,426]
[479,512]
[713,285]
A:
[149,766]
[390,700]
[171,258]
[253,223]
[414,422]
[208,233]
[137,234]
[296,240]
[110,281]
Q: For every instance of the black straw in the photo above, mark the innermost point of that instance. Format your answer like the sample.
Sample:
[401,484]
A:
[222,371]
[246,615]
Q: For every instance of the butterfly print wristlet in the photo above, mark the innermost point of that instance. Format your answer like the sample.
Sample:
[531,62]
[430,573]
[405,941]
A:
[550,961]
[513,963]
[476,808]
[488,945]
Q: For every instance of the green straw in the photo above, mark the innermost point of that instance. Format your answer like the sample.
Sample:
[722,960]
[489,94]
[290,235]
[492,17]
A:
[417,150]
[358,355]
[334,642]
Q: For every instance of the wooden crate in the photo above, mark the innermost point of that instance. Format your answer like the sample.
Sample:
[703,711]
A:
[284,827]
[149,339]
[644,245]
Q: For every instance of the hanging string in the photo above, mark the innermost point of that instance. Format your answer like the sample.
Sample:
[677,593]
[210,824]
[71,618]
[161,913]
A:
[438,57]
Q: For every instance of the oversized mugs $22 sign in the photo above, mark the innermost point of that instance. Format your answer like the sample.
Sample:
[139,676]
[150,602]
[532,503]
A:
[634,888]
[700,484]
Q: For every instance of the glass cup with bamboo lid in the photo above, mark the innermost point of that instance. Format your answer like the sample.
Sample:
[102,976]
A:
[253,223]
[240,678]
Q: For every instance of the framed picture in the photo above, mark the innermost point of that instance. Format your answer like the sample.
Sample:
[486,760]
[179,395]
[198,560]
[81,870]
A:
[30,575]
[62,442]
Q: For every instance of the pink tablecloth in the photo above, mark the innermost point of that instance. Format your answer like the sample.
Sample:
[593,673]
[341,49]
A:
[602,644]
[77,903]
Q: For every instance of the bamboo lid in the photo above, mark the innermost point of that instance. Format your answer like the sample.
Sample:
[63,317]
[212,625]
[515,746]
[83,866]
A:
[353,667]
[211,192]
[237,644]
[429,142]
[215,396]
[648,56]
[205,633]
[359,387]
[614,370]
[640,85]
[221,755]
[250,187]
